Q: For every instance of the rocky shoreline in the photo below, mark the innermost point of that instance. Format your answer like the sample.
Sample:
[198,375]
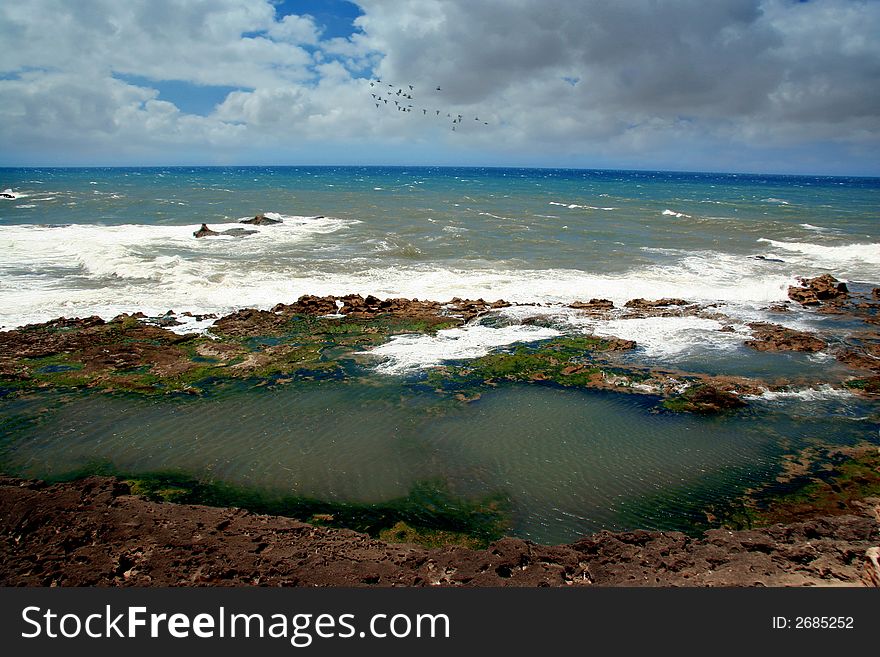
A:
[93,532]
[329,338]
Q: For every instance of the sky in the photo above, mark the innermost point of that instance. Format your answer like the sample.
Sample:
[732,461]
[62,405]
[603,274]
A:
[774,86]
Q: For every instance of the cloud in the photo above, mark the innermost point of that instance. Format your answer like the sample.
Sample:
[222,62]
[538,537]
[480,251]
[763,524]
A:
[678,84]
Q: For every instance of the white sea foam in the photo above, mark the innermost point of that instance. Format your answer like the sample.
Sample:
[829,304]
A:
[821,393]
[26,205]
[849,261]
[673,213]
[818,229]
[669,337]
[9,195]
[410,352]
[778,201]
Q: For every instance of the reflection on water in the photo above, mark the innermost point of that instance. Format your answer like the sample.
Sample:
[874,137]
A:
[571,462]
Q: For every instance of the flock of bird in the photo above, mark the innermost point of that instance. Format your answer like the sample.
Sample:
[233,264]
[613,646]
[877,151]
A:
[387,95]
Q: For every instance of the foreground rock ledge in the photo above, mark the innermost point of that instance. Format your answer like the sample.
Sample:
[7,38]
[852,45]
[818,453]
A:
[93,532]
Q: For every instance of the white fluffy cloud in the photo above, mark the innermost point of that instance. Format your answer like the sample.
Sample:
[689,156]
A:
[730,84]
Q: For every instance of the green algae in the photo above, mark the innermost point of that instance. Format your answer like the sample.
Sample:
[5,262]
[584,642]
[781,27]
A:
[430,513]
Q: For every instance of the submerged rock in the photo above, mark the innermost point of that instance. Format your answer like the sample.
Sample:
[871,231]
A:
[814,291]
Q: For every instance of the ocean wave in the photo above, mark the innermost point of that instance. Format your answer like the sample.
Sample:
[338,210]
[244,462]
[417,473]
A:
[777,201]
[575,206]
[9,195]
[830,256]
[673,213]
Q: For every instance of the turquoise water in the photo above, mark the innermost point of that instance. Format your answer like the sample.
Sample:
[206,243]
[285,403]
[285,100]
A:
[78,242]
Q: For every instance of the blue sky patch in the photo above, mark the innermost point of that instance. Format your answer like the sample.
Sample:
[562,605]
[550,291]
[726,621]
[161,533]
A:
[189,98]
[334,17]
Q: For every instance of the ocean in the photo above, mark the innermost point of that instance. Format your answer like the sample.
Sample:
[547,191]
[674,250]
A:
[103,241]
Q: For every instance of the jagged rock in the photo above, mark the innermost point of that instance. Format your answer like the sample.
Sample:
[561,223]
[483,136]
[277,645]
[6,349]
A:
[204,231]
[875,294]
[816,290]
[593,304]
[773,337]
[659,303]
[261,220]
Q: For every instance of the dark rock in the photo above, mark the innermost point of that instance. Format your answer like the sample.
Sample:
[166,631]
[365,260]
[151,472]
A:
[261,220]
[659,303]
[593,304]
[875,294]
[204,231]
[766,259]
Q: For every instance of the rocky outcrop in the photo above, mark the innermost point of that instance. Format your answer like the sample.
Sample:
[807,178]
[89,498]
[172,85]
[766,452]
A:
[261,220]
[93,532]
[814,291]
[592,304]
[644,304]
[706,398]
[773,337]
[204,231]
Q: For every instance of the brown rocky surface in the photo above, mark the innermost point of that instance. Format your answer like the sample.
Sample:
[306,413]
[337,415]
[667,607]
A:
[814,291]
[658,303]
[773,337]
[93,532]
[592,304]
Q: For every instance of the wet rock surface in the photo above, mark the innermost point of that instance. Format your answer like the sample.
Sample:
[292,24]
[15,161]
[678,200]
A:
[261,220]
[773,337]
[814,291]
[93,532]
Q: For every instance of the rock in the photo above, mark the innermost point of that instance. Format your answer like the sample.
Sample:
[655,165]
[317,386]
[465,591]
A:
[148,543]
[592,304]
[779,307]
[766,259]
[875,294]
[659,303]
[705,398]
[6,195]
[871,576]
[204,231]
[773,337]
[261,220]
[618,344]
[814,291]
[727,328]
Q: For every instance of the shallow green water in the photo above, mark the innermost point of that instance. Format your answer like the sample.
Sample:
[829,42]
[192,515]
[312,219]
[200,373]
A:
[570,462]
